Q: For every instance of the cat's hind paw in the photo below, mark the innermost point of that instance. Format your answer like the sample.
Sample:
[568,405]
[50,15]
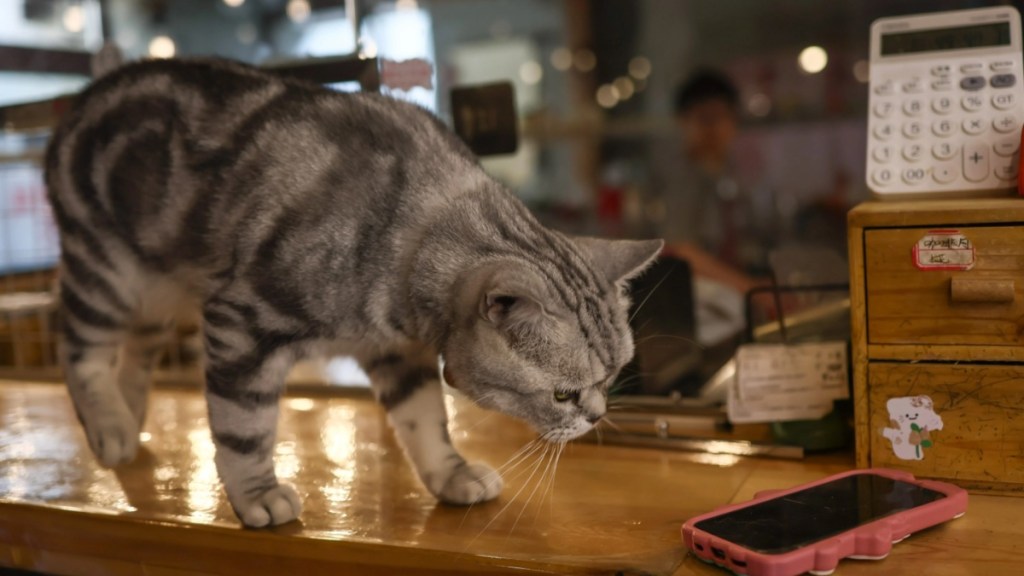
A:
[271,507]
[470,484]
[113,438]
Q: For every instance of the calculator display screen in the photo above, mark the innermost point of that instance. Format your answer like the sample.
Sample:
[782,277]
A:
[936,39]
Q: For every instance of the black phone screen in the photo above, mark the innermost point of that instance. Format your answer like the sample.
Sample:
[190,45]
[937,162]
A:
[789,522]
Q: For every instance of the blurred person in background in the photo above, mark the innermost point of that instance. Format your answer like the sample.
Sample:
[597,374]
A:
[706,216]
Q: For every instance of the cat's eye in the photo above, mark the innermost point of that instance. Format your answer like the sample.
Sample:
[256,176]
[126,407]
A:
[566,395]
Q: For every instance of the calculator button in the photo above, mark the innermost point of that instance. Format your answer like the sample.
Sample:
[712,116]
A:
[945,172]
[944,150]
[975,162]
[942,85]
[882,153]
[883,109]
[1003,80]
[942,104]
[912,129]
[971,67]
[1001,65]
[912,107]
[972,83]
[882,177]
[974,125]
[1004,100]
[1006,170]
[1004,123]
[1006,147]
[972,102]
[913,152]
[885,88]
[943,127]
[883,131]
[914,175]
[940,70]
[913,85]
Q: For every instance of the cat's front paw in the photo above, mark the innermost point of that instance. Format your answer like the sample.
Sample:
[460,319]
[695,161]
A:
[470,484]
[277,505]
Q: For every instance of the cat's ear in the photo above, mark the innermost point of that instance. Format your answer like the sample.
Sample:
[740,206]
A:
[620,260]
[511,298]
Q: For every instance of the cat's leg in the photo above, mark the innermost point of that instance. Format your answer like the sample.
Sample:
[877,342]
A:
[244,379]
[94,322]
[408,386]
[152,329]
[139,356]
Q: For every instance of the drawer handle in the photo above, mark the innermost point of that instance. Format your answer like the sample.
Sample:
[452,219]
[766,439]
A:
[976,291]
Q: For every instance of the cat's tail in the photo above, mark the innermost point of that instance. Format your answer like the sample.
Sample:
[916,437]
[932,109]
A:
[106,60]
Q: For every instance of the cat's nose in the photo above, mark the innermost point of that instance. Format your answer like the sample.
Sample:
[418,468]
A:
[593,419]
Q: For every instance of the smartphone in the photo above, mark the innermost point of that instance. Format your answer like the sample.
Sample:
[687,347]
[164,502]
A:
[810,528]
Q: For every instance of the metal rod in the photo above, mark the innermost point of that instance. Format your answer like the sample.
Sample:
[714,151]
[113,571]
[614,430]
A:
[706,445]
[352,13]
[779,313]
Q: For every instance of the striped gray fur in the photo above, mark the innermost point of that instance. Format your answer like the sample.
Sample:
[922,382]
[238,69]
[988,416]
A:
[295,218]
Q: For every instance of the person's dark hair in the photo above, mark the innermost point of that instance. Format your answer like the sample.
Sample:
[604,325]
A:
[704,85]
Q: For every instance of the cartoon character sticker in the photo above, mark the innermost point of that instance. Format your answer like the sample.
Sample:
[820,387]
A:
[912,419]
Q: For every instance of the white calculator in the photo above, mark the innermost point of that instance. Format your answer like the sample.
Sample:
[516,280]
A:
[946,103]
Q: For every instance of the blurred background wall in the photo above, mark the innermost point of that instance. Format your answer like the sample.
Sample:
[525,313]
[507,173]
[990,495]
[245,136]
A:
[595,83]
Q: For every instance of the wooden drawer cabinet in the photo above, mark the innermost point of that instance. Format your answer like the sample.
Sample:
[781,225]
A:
[937,297]
[982,411]
[907,305]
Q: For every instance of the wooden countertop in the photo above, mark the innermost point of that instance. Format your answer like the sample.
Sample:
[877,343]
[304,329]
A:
[611,510]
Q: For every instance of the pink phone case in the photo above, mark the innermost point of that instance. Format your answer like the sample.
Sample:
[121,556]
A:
[871,541]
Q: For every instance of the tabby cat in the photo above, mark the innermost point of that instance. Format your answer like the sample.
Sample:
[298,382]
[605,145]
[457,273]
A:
[297,218]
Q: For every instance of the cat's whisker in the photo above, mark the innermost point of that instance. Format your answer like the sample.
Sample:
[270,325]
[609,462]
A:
[516,460]
[481,421]
[630,382]
[648,297]
[646,339]
[642,326]
[611,424]
[623,383]
[522,454]
[521,472]
[514,497]
[529,498]
[549,490]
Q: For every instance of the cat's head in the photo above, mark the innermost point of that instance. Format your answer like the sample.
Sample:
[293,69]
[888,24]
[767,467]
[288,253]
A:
[543,338]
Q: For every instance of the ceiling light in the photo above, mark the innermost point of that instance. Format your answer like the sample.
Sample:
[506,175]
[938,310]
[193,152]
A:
[162,47]
[298,10]
[607,96]
[561,59]
[639,67]
[530,72]
[73,18]
[813,59]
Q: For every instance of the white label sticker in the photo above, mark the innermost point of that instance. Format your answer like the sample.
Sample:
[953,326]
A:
[944,250]
[777,382]
[912,419]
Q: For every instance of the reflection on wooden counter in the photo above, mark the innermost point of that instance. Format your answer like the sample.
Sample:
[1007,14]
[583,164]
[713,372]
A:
[609,509]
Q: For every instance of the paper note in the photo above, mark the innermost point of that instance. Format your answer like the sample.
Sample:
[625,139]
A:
[777,382]
[944,250]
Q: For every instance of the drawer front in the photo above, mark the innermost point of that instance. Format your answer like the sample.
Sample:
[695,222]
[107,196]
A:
[982,306]
[981,408]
